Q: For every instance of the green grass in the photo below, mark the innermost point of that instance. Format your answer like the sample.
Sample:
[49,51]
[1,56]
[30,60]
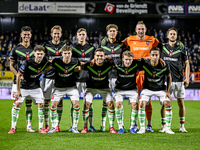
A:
[65,140]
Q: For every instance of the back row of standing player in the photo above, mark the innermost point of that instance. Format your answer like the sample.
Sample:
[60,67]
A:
[140,45]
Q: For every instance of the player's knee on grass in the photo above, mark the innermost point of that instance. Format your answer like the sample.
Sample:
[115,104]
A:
[180,102]
[40,105]
[18,104]
[111,105]
[86,105]
[119,105]
[167,104]
[134,106]
[75,104]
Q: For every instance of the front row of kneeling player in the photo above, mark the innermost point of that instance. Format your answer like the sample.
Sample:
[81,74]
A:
[65,83]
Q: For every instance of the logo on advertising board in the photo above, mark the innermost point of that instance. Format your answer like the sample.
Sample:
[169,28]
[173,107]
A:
[175,9]
[109,8]
[193,9]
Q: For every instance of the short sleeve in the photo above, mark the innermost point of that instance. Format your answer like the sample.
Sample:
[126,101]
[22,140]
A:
[168,71]
[13,55]
[184,54]
[156,41]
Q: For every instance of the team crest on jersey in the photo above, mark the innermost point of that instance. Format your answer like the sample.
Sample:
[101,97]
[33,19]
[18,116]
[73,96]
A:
[66,71]
[112,51]
[52,96]
[126,71]
[56,52]
[27,55]
[39,71]
[154,74]
[170,54]
[99,73]
[147,42]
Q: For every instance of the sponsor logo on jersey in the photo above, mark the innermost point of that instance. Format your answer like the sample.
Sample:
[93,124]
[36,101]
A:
[98,78]
[65,75]
[170,59]
[140,48]
[153,80]
[109,8]
[22,67]
[126,76]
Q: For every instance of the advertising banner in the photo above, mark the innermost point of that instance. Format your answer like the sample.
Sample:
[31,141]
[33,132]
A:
[6,76]
[176,9]
[193,9]
[51,7]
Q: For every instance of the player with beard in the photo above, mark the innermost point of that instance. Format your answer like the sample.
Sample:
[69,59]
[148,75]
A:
[85,53]
[18,55]
[53,50]
[174,54]
[98,83]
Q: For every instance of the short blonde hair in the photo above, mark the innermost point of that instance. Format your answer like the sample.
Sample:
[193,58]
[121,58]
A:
[81,29]
[56,27]
[127,53]
[111,26]
[141,22]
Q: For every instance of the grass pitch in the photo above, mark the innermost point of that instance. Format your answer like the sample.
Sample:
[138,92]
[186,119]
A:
[22,140]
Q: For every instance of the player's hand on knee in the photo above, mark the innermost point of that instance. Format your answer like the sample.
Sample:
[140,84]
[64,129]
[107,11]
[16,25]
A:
[168,95]
[17,95]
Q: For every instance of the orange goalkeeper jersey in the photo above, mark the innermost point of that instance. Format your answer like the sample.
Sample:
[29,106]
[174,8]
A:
[141,48]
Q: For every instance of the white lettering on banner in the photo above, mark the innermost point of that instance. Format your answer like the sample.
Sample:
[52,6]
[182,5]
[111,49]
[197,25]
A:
[176,9]
[52,7]
[6,84]
[193,9]
[131,8]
